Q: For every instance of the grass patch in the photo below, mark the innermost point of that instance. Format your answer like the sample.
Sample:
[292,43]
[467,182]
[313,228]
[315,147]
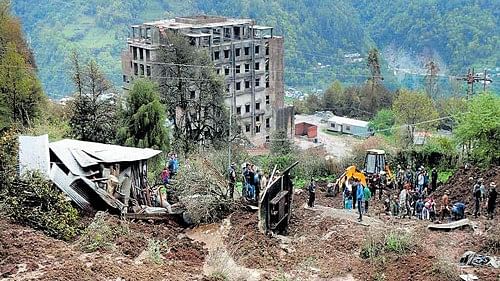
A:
[101,235]
[444,175]
[394,241]
[154,251]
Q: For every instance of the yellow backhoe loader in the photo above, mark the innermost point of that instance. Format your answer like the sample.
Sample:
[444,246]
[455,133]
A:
[375,167]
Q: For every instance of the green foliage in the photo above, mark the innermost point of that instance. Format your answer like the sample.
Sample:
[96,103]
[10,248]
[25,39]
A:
[101,235]
[54,121]
[143,118]
[34,201]
[444,175]
[8,153]
[479,127]
[440,144]
[312,32]
[92,111]
[384,120]
[395,241]
[22,97]
[416,110]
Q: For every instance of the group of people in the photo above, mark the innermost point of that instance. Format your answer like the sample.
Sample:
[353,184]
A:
[420,178]
[171,169]
[357,195]
[415,197]
[253,180]
[480,194]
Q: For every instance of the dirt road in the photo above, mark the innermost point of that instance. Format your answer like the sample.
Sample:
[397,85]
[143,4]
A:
[337,145]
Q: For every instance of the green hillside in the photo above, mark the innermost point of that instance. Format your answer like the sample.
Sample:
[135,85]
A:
[457,33]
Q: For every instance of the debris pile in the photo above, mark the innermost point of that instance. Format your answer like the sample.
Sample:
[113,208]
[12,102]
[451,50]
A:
[95,176]
[461,186]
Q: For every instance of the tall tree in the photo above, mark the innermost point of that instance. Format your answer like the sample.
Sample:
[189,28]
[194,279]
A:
[373,64]
[431,79]
[330,98]
[143,118]
[21,95]
[414,110]
[479,128]
[93,109]
[193,94]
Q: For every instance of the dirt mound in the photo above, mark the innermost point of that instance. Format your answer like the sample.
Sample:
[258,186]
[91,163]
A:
[29,254]
[461,186]
[248,245]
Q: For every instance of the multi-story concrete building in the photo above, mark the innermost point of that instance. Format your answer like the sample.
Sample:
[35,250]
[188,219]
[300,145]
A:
[248,56]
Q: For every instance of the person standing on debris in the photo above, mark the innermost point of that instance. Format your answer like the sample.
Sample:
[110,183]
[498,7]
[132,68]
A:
[434,178]
[400,176]
[478,196]
[492,199]
[419,206]
[354,193]
[165,176]
[403,201]
[420,180]
[360,198]
[249,175]
[367,194]
[409,175]
[445,208]
[381,184]
[256,182]
[312,193]
[347,198]
[232,179]
[394,206]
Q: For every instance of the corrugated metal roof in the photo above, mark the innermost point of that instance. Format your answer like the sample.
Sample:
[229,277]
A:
[103,153]
[34,154]
[348,121]
[63,182]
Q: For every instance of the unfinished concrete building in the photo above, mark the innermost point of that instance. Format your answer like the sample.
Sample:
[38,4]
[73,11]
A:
[248,56]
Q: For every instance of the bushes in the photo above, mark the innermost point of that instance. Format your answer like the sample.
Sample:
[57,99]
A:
[203,191]
[31,199]
[34,201]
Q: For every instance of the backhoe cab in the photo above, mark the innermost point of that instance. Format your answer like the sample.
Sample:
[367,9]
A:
[375,171]
[375,167]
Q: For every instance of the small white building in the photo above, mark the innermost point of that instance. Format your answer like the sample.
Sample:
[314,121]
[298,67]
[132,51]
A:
[348,126]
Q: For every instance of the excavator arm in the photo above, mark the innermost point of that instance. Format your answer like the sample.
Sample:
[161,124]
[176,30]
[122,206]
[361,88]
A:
[350,173]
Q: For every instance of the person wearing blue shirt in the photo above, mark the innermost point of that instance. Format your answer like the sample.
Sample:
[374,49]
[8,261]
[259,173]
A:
[360,198]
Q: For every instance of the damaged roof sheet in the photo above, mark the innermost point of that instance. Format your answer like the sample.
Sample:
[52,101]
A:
[77,155]
[34,154]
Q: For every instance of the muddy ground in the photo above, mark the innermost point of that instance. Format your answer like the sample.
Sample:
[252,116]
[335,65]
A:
[322,244]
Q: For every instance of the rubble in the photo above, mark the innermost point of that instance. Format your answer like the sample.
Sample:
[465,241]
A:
[473,259]
[95,176]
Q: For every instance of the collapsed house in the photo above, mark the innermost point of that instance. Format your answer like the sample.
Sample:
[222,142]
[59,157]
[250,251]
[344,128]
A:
[94,176]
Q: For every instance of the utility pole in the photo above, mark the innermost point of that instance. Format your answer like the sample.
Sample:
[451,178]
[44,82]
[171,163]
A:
[472,78]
